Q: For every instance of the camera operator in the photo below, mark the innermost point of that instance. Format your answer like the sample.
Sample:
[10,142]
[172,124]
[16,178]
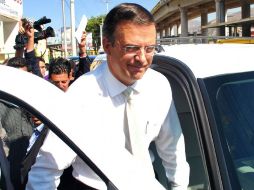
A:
[27,30]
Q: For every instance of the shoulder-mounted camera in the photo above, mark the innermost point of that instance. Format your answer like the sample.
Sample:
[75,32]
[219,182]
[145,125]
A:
[21,39]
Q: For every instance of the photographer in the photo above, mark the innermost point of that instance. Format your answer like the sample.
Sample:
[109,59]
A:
[26,30]
[27,37]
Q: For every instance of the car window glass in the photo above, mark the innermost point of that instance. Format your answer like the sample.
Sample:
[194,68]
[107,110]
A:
[198,173]
[16,129]
[235,104]
[230,96]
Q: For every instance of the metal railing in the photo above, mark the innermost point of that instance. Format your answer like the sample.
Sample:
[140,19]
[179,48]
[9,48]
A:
[204,40]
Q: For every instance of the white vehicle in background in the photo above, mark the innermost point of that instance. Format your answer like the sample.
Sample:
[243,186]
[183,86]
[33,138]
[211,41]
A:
[100,58]
[213,90]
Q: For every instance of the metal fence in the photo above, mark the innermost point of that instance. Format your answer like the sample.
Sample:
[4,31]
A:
[204,40]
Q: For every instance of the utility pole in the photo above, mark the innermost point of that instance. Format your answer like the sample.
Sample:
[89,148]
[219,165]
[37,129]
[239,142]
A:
[107,2]
[64,30]
[73,40]
[101,48]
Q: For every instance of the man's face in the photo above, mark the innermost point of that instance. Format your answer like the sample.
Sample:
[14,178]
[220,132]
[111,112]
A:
[42,68]
[132,53]
[24,68]
[36,121]
[60,80]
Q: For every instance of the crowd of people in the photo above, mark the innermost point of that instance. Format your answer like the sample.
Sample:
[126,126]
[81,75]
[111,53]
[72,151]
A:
[129,40]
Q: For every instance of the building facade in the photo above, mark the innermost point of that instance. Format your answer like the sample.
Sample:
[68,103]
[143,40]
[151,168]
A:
[10,13]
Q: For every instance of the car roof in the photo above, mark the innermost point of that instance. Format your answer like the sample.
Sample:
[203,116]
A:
[77,57]
[213,59]
[101,57]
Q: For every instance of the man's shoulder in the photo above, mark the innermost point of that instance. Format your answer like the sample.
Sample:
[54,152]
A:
[156,78]
[87,80]
[90,78]
[87,85]
[157,86]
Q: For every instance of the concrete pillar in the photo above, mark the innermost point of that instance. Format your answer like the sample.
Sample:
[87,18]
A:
[161,33]
[220,16]
[246,28]
[178,29]
[157,35]
[174,30]
[204,21]
[10,32]
[230,30]
[167,31]
[1,36]
[235,31]
[184,22]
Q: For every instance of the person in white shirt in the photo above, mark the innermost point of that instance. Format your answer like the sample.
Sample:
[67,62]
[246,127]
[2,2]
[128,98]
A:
[35,135]
[129,40]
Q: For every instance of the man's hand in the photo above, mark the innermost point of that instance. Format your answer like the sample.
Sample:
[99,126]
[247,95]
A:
[82,45]
[25,37]
[26,27]
[21,28]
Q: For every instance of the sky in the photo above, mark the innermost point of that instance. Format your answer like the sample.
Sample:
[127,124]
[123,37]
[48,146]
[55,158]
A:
[52,9]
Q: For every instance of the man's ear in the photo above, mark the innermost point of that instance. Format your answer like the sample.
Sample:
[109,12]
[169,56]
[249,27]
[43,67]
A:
[106,45]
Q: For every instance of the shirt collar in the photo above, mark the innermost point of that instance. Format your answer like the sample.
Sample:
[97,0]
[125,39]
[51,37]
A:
[114,86]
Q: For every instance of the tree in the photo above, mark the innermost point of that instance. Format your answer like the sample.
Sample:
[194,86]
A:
[93,25]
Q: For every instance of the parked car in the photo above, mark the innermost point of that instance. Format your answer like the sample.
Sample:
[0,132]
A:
[213,90]
[76,58]
[100,58]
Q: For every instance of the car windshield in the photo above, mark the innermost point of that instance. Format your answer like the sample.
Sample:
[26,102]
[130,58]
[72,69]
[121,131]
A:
[233,106]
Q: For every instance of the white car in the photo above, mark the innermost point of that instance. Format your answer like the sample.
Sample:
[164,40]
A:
[213,90]
[101,58]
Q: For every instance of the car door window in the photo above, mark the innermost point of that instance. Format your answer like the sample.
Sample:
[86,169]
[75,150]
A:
[195,157]
[233,105]
[17,145]
[231,99]
[198,176]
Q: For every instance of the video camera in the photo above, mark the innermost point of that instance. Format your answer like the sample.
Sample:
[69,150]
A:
[21,39]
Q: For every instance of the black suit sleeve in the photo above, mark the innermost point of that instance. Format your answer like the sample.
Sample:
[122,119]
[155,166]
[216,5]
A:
[32,63]
[83,66]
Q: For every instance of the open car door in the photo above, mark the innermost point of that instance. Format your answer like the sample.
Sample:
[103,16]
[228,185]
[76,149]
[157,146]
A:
[48,103]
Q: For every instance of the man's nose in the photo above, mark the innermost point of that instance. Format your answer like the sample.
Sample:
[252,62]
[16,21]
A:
[141,55]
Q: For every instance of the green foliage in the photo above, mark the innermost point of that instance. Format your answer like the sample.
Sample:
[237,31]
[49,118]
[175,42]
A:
[93,25]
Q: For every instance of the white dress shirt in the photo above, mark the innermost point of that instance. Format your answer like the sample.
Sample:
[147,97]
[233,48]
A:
[34,136]
[99,94]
